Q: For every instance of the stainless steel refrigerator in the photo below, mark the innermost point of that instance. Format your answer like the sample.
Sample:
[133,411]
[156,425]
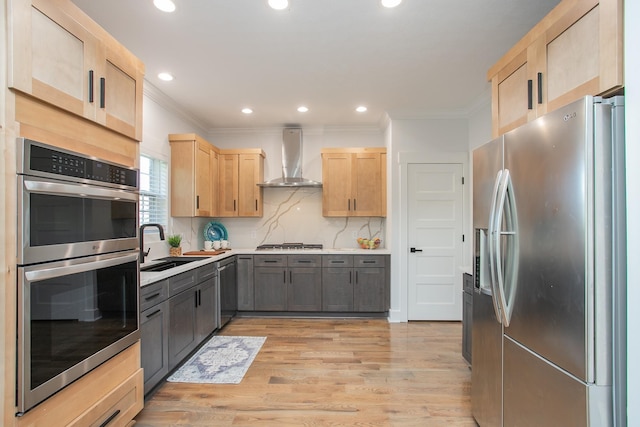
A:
[549,299]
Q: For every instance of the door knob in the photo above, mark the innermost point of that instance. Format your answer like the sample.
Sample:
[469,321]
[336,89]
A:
[414,250]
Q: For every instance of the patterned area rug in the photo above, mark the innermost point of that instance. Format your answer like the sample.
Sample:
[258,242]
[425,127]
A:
[222,360]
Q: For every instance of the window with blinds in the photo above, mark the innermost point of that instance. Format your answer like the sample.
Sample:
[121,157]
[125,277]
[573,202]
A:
[153,191]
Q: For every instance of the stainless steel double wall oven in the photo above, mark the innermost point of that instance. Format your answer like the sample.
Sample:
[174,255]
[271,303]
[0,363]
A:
[78,276]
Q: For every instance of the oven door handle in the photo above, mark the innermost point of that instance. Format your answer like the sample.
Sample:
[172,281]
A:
[82,267]
[77,190]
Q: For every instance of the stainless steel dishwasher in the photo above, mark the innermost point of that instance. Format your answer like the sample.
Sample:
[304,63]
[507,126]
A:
[228,290]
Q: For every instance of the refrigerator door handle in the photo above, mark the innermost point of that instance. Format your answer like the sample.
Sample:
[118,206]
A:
[491,246]
[506,210]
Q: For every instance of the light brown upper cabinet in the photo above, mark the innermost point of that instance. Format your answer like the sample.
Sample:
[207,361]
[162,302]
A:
[354,181]
[194,176]
[60,56]
[576,50]
[240,172]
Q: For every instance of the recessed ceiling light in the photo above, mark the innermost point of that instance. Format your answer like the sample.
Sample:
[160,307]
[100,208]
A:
[167,77]
[279,4]
[165,5]
[247,110]
[391,3]
[303,109]
[361,109]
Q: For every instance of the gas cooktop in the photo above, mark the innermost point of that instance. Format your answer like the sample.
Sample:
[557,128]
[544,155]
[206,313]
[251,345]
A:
[289,246]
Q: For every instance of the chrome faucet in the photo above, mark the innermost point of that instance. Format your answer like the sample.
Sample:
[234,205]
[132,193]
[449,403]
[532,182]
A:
[143,254]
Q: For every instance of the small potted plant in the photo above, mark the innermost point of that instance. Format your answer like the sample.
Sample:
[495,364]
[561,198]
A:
[174,242]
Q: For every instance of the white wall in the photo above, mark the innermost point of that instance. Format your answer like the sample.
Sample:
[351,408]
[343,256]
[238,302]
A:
[425,140]
[632,109]
[160,118]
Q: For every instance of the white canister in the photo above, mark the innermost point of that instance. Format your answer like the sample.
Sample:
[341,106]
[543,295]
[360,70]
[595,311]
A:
[216,244]
[224,244]
[208,245]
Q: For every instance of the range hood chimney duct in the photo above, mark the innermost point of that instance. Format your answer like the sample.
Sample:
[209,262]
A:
[291,162]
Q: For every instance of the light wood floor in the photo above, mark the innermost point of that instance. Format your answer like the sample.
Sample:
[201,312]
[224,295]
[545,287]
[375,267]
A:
[338,372]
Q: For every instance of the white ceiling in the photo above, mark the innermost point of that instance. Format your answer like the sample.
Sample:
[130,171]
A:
[425,58]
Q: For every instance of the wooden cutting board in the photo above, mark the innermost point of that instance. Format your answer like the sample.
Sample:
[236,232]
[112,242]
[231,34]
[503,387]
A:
[206,253]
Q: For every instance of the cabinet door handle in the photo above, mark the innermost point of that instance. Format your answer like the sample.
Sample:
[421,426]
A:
[256,205]
[530,94]
[539,88]
[199,297]
[150,315]
[234,205]
[350,277]
[103,83]
[198,202]
[111,418]
[150,297]
[414,250]
[356,276]
[284,276]
[355,208]
[349,205]
[195,296]
[91,86]
[290,277]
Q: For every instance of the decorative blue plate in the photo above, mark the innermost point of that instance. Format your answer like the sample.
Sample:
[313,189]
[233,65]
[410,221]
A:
[215,231]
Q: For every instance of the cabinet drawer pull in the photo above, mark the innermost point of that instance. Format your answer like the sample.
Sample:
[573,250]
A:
[103,83]
[149,316]
[539,88]
[304,261]
[150,297]
[336,262]
[530,94]
[91,86]
[270,261]
[369,261]
[111,418]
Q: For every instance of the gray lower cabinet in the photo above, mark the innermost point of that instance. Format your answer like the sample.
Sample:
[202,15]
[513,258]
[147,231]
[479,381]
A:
[177,315]
[244,266]
[333,283]
[154,335]
[287,282]
[270,288]
[355,283]
[193,317]
[337,283]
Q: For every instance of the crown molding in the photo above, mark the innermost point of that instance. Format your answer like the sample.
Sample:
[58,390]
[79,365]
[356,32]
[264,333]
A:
[166,102]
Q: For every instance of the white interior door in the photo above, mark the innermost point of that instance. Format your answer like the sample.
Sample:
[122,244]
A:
[435,228]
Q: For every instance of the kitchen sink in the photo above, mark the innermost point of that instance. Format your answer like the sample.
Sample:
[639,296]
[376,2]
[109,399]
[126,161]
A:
[163,264]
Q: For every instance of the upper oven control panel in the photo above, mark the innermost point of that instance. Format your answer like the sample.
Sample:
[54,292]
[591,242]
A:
[39,158]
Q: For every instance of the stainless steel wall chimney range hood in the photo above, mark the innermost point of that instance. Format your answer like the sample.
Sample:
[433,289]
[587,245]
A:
[291,162]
